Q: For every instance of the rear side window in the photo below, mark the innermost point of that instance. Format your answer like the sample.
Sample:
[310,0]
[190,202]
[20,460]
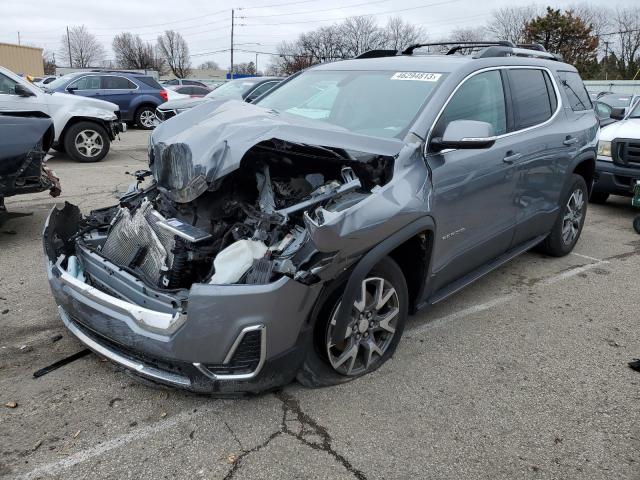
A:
[117,83]
[192,82]
[533,98]
[480,98]
[575,91]
[150,81]
[86,83]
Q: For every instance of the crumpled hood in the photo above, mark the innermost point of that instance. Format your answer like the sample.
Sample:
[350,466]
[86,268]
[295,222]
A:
[183,103]
[69,98]
[629,128]
[195,148]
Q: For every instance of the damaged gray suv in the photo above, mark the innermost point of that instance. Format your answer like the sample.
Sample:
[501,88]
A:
[291,238]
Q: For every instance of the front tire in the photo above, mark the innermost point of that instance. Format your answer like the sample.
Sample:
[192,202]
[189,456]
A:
[146,118]
[377,322]
[566,231]
[87,142]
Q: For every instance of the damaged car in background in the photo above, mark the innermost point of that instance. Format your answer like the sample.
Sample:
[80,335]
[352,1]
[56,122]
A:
[24,142]
[291,238]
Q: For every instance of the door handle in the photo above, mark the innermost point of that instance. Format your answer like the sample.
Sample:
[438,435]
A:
[511,157]
[570,141]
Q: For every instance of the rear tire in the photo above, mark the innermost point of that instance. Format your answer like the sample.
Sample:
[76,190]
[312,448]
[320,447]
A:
[598,197]
[86,142]
[372,337]
[145,118]
[566,231]
[636,224]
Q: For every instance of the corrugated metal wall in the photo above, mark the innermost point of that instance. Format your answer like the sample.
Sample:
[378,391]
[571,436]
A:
[21,59]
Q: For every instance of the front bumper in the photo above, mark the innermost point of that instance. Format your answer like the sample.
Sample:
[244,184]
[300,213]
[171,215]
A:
[615,179]
[190,343]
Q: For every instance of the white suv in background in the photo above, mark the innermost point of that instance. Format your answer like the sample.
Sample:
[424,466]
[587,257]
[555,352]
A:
[618,164]
[83,127]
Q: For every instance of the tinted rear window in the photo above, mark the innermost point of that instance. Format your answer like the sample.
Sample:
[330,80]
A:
[150,81]
[117,83]
[533,102]
[575,91]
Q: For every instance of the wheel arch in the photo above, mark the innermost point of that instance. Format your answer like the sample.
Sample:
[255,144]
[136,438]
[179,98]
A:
[414,238]
[73,120]
[586,168]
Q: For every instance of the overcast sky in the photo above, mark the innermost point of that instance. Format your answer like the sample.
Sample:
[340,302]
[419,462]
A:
[206,25]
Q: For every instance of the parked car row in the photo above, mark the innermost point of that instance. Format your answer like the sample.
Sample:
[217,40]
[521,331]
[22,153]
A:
[247,89]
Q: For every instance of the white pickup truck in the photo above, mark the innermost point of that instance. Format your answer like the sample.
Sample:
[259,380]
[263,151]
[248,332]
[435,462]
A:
[618,163]
[83,127]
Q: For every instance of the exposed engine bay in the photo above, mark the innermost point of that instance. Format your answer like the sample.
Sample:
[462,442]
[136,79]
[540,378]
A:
[249,227]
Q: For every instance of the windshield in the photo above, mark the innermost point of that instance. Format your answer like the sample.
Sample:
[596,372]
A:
[616,101]
[234,88]
[61,82]
[635,113]
[376,103]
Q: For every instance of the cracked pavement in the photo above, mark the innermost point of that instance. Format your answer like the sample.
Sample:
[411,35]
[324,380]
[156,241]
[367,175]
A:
[522,375]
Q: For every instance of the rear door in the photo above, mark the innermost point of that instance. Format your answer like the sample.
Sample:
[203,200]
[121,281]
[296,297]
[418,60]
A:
[538,135]
[119,90]
[473,189]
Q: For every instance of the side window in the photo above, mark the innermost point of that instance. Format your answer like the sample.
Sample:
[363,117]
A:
[86,83]
[172,82]
[117,83]
[480,98]
[191,82]
[575,90]
[533,102]
[265,87]
[7,86]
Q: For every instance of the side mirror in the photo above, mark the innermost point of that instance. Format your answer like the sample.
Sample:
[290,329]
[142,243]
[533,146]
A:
[466,134]
[618,113]
[23,91]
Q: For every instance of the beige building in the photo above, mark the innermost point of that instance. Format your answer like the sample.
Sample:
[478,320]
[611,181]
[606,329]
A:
[21,59]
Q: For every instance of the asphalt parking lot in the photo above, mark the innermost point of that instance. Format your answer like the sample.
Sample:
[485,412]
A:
[522,375]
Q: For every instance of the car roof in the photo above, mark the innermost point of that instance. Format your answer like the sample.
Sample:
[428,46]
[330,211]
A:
[438,63]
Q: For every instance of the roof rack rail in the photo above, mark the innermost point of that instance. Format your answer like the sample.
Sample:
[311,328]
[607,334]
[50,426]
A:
[498,51]
[378,54]
[532,46]
[455,46]
[107,70]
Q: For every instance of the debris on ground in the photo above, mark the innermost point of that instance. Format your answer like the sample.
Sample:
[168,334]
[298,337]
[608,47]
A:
[61,363]
[5,311]
[635,364]
[11,404]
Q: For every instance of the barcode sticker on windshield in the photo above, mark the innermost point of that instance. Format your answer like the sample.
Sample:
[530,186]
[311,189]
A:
[417,76]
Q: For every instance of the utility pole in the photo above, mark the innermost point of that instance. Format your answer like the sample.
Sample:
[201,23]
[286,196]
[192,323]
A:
[606,59]
[18,37]
[256,63]
[69,46]
[232,20]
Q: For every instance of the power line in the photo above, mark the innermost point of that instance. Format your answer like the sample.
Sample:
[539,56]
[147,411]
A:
[446,2]
[316,11]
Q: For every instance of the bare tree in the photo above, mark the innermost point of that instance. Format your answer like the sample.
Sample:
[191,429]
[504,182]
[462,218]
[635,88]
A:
[49,62]
[81,48]
[209,65]
[175,51]
[400,34]
[468,34]
[131,52]
[508,23]
[361,34]
[627,37]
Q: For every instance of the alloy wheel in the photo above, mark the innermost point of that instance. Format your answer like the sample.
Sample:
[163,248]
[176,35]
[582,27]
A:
[147,118]
[89,143]
[573,216]
[370,332]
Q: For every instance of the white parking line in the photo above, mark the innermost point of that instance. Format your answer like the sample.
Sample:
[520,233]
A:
[588,257]
[572,273]
[53,468]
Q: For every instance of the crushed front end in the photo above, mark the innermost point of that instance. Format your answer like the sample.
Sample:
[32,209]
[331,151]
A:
[207,282]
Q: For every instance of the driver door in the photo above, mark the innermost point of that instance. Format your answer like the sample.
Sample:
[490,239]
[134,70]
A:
[12,102]
[473,189]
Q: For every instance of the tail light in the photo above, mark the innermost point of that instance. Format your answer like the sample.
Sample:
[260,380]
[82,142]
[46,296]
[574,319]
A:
[164,95]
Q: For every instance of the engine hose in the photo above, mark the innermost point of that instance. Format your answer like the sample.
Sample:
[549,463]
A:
[179,265]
